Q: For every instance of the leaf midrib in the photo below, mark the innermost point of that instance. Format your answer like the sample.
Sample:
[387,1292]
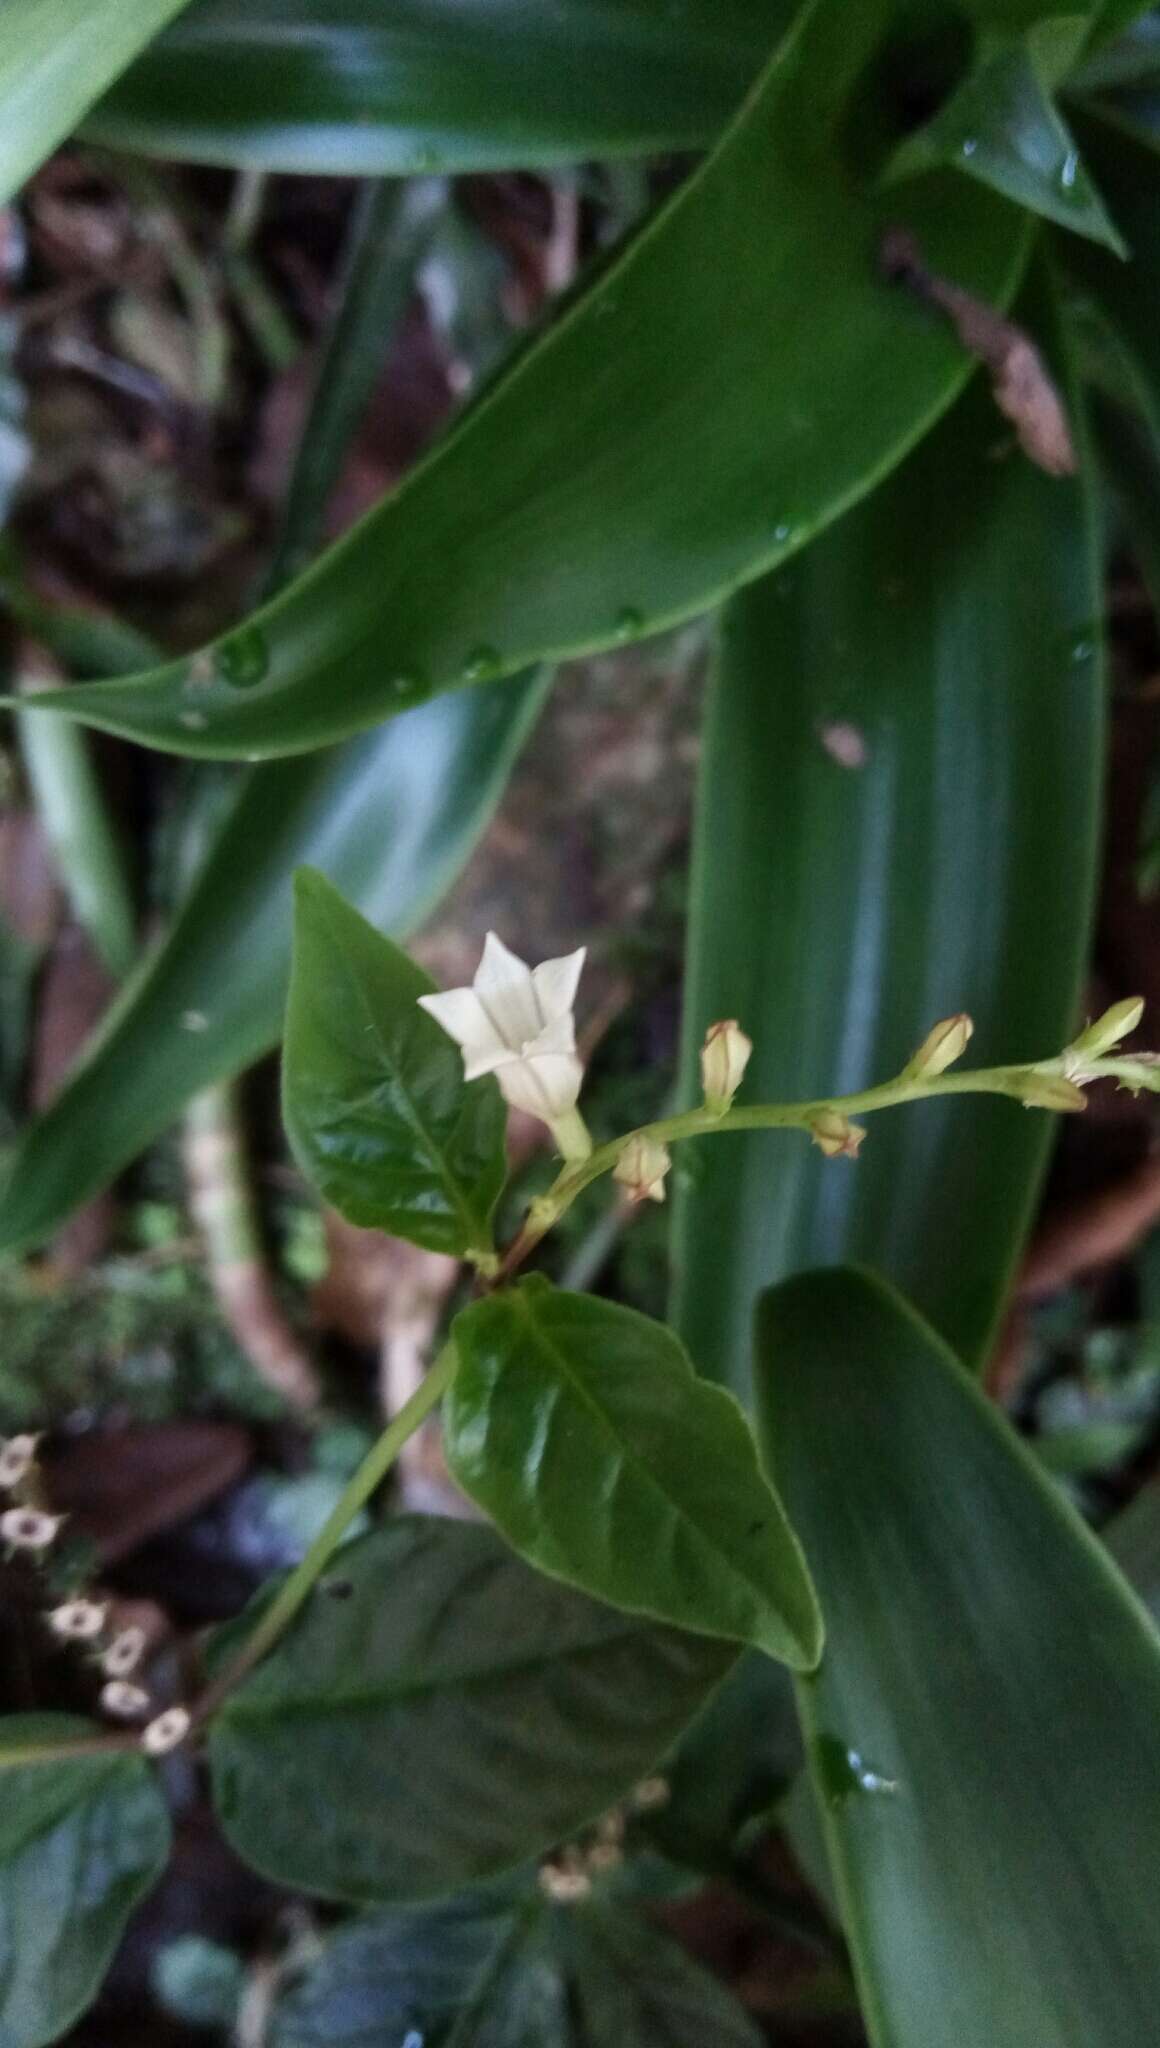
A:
[468,1220]
[639,1465]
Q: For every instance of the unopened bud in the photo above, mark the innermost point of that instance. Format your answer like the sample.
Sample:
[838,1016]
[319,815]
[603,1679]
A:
[724,1058]
[124,1652]
[29,1529]
[17,1457]
[127,1702]
[836,1136]
[166,1731]
[641,1169]
[941,1047]
[78,1621]
[1107,1031]
[1050,1091]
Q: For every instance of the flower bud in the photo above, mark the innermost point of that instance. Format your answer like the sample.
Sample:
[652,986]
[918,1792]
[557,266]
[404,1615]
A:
[166,1731]
[29,1529]
[836,1136]
[17,1457]
[1107,1031]
[78,1621]
[641,1169]
[127,1702]
[1050,1091]
[724,1058]
[941,1047]
[124,1652]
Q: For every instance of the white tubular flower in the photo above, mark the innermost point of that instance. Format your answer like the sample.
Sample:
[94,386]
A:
[124,1652]
[78,1621]
[516,1022]
[166,1731]
[29,1529]
[17,1457]
[641,1169]
[126,1702]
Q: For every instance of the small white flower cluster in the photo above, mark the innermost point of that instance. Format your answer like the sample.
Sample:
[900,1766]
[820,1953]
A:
[81,1619]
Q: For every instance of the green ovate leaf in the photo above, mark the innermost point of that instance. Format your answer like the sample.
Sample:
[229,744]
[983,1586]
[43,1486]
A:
[391,818]
[982,1730]
[82,1839]
[584,1432]
[898,818]
[495,1971]
[734,379]
[449,1715]
[363,88]
[56,58]
[1002,126]
[374,1101]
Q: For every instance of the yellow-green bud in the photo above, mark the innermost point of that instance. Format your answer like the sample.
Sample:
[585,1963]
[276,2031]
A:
[1107,1031]
[941,1047]
[836,1136]
[1050,1091]
[641,1169]
[724,1058]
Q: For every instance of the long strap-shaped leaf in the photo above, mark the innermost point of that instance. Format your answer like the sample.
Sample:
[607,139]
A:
[369,87]
[897,822]
[982,1730]
[733,381]
[56,58]
[390,818]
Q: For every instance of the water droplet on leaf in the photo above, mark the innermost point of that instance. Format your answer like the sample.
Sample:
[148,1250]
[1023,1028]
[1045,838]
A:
[194,721]
[482,665]
[629,623]
[845,1774]
[243,660]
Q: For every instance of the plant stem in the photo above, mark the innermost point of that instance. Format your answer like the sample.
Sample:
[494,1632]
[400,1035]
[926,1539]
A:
[1013,1082]
[297,1588]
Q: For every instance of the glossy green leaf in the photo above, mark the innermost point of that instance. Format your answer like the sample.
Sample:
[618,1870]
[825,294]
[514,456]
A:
[449,1716]
[1002,125]
[390,229]
[582,1429]
[983,1727]
[390,818]
[81,1841]
[897,822]
[1133,1538]
[364,87]
[1122,301]
[487,1972]
[56,58]
[374,1101]
[734,379]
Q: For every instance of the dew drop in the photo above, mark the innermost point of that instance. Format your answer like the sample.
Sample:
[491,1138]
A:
[844,1773]
[781,532]
[1067,175]
[1081,652]
[194,721]
[194,1020]
[405,685]
[969,146]
[629,623]
[483,664]
[243,660]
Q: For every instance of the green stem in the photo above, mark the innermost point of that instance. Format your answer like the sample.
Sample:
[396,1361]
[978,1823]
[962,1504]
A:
[547,1210]
[297,1588]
